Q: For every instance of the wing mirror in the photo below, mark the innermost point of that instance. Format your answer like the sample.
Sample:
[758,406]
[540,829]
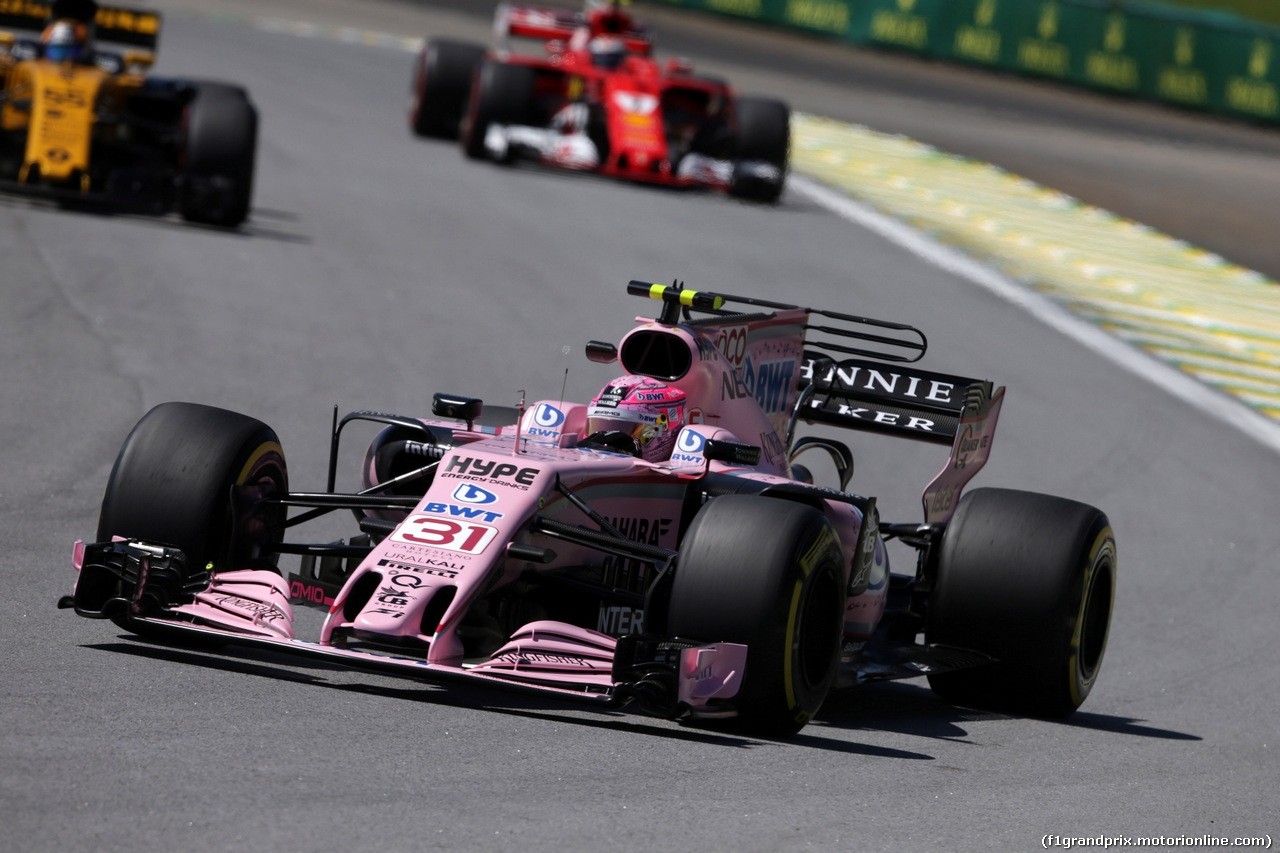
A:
[459,408]
[601,352]
[731,452]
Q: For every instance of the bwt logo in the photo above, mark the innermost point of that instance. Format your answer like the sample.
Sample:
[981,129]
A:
[469,494]
[690,441]
[770,383]
[461,511]
[547,416]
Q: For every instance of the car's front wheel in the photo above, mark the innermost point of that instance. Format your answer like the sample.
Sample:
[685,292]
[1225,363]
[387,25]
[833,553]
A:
[767,573]
[192,477]
[441,86]
[503,94]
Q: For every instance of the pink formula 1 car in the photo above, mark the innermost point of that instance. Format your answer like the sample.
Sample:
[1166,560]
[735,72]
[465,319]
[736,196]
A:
[659,548]
[594,99]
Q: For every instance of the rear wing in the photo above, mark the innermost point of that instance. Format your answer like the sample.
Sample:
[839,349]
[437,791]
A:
[863,395]
[550,24]
[113,24]
[908,403]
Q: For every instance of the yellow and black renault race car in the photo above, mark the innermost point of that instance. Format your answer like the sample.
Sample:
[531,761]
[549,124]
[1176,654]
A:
[82,124]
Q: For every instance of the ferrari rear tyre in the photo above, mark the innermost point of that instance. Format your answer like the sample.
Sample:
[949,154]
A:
[767,573]
[442,75]
[1028,579]
[219,151]
[503,94]
[763,136]
[173,480]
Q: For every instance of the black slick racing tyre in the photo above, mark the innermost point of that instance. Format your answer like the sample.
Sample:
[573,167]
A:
[502,94]
[763,135]
[767,573]
[173,479]
[441,86]
[1030,580]
[218,156]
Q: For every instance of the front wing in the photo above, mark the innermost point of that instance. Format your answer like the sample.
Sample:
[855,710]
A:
[149,589]
[576,151]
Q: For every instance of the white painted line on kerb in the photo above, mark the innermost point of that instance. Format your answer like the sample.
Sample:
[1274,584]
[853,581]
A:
[1182,386]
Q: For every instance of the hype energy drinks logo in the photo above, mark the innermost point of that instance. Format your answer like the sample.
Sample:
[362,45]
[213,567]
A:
[546,422]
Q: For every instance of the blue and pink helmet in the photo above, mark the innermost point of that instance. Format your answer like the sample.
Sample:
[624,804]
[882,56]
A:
[645,409]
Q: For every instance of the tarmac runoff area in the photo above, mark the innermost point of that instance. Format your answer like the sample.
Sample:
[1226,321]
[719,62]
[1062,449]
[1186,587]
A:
[1179,310]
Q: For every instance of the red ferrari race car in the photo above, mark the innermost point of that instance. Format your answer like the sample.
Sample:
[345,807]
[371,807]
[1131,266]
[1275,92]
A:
[595,99]
[658,548]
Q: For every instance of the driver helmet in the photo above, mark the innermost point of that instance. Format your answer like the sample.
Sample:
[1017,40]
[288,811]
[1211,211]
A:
[66,41]
[607,52]
[649,411]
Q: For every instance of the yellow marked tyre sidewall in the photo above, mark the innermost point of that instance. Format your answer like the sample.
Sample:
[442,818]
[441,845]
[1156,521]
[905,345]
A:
[1098,580]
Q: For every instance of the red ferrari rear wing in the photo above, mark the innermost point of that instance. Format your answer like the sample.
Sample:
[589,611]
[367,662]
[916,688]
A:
[547,24]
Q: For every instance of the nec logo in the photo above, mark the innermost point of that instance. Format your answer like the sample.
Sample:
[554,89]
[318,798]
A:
[469,494]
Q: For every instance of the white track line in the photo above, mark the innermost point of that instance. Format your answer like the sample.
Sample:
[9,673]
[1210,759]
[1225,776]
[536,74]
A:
[1182,386]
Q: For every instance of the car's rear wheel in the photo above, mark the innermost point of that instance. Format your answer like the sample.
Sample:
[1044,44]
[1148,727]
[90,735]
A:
[763,136]
[1028,579]
[503,94]
[767,573]
[442,75]
[219,151]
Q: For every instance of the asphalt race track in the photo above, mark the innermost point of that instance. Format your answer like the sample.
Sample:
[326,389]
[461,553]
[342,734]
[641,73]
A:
[377,269]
